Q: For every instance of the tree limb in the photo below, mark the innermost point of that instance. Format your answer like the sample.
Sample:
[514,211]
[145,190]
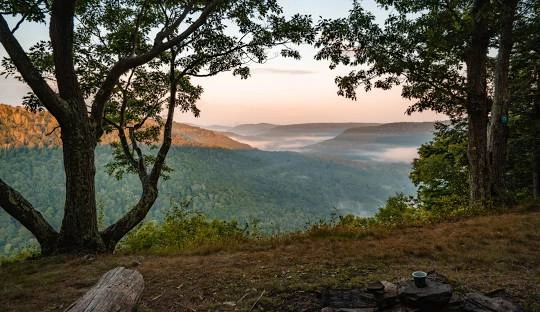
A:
[123,142]
[141,166]
[167,31]
[19,208]
[123,65]
[61,34]
[56,106]
[167,132]
[116,231]
[19,23]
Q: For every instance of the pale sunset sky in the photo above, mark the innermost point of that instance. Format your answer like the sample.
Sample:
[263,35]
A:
[281,91]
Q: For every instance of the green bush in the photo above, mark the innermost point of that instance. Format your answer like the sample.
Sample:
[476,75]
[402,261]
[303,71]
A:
[399,209]
[180,231]
[30,251]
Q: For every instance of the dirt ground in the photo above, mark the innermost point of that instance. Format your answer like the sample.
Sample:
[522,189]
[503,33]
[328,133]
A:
[480,254]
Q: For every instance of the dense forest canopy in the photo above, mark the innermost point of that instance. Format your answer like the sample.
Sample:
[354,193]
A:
[277,192]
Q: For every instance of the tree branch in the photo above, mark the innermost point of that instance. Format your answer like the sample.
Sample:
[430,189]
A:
[56,106]
[61,33]
[19,23]
[141,166]
[167,132]
[167,31]
[115,232]
[136,31]
[19,208]
[123,142]
[123,65]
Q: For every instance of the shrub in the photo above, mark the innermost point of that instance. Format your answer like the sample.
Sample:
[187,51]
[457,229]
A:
[398,209]
[182,230]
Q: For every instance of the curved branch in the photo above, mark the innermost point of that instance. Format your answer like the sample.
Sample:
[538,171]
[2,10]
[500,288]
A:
[125,64]
[167,132]
[116,231]
[19,23]
[57,107]
[61,34]
[19,208]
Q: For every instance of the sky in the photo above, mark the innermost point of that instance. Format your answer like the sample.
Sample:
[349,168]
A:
[281,91]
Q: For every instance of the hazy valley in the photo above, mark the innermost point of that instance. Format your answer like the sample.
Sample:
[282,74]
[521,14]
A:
[299,173]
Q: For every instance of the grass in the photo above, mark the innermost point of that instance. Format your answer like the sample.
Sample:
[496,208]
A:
[480,254]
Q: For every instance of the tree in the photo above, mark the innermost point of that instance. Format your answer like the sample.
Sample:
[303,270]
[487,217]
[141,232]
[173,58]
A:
[523,153]
[94,48]
[437,51]
[440,171]
[498,127]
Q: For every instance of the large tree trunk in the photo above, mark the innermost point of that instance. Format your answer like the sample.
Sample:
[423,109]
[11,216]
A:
[498,131]
[477,155]
[536,174]
[79,230]
[536,141]
[477,103]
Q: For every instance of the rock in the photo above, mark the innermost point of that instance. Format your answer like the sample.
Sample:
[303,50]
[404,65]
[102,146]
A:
[375,287]
[431,298]
[475,302]
[390,295]
[347,298]
[455,303]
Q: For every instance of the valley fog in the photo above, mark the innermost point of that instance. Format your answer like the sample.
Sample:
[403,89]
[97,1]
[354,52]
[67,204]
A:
[370,145]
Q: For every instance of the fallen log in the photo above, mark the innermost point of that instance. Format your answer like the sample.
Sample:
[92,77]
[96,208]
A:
[118,290]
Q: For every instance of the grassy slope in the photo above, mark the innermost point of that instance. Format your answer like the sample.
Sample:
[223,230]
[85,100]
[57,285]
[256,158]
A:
[483,254]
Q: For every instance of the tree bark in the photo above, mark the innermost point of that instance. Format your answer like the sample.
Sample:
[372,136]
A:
[536,174]
[498,130]
[118,290]
[19,208]
[536,140]
[79,231]
[477,155]
[477,103]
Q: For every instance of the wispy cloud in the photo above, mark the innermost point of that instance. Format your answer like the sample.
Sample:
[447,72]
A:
[283,71]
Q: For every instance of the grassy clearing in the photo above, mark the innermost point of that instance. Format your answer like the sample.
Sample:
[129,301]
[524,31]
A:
[481,253]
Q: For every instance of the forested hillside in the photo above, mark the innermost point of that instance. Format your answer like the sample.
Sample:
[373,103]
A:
[278,191]
[20,127]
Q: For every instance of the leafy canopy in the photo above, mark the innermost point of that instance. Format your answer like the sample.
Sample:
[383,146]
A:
[234,35]
[421,46]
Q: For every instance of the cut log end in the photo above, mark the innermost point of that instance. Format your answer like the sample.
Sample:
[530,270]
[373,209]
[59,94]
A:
[118,290]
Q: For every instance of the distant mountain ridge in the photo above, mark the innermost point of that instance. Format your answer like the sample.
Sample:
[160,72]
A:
[394,127]
[403,134]
[314,128]
[252,129]
[317,128]
[19,127]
